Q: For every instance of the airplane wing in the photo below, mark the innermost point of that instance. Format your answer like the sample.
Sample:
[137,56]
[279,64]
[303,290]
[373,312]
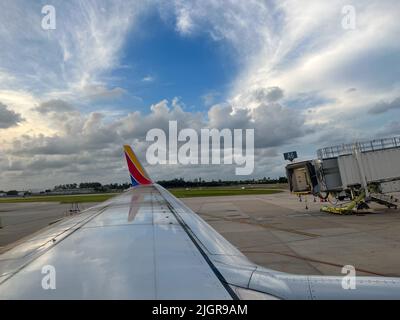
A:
[146,244]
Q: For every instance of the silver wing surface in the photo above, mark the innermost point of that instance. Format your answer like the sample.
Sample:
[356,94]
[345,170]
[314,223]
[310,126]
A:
[146,244]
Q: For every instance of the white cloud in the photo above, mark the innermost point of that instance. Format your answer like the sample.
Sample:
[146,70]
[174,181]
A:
[148,78]
[315,54]
[72,60]
[101,92]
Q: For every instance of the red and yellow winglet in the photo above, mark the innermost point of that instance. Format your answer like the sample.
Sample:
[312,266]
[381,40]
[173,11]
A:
[138,174]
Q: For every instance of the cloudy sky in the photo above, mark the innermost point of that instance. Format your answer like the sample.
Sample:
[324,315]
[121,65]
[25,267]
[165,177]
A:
[112,70]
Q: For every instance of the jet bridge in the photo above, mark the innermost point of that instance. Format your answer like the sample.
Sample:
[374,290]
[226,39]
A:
[362,172]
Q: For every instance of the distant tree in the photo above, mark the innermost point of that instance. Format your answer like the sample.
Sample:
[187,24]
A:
[12,193]
[116,186]
[181,183]
[90,185]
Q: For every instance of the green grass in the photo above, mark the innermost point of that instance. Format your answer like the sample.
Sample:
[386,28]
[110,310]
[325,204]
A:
[179,193]
[217,192]
[81,198]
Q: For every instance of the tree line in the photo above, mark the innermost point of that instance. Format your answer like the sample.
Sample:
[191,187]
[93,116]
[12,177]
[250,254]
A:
[175,183]
[96,186]
[182,183]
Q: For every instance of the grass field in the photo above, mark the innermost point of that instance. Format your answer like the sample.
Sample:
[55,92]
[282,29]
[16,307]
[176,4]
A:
[179,193]
[81,198]
[216,192]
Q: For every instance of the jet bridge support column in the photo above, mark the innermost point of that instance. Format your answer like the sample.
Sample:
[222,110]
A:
[358,156]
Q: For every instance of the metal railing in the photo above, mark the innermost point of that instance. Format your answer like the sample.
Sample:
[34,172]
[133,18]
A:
[347,149]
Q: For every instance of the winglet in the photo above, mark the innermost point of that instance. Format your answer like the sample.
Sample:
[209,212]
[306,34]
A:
[138,174]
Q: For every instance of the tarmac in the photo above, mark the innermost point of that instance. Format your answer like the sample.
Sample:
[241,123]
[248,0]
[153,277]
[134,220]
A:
[22,219]
[275,231]
[278,232]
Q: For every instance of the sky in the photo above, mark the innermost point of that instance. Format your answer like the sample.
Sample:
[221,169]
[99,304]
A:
[110,71]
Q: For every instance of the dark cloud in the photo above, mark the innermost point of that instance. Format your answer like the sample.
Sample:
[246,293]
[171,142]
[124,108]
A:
[43,163]
[383,107]
[276,125]
[136,125]
[267,95]
[100,92]
[273,124]
[56,106]
[223,116]
[8,118]
[93,134]
[43,145]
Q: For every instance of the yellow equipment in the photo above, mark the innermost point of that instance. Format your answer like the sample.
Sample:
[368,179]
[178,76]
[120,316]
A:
[346,209]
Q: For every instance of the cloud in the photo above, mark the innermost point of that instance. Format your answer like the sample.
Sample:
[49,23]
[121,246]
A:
[92,37]
[210,97]
[148,78]
[239,23]
[184,23]
[136,125]
[392,128]
[223,116]
[253,98]
[274,124]
[383,107]
[101,92]
[75,58]
[93,142]
[8,118]
[304,49]
[79,132]
[272,94]
[88,133]
[56,105]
